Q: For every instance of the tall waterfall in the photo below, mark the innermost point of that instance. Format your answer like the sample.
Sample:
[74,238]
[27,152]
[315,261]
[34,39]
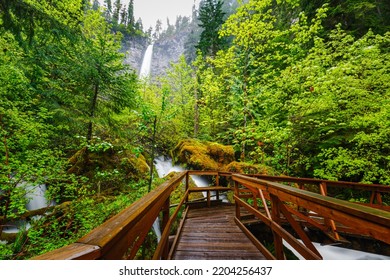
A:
[146,62]
[144,72]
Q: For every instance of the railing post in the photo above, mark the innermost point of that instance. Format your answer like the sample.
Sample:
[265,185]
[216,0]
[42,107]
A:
[254,195]
[165,221]
[329,222]
[376,196]
[187,185]
[217,185]
[301,186]
[278,240]
[236,192]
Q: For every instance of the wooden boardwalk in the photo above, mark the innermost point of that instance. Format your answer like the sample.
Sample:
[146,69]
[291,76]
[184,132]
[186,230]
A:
[212,234]
[212,231]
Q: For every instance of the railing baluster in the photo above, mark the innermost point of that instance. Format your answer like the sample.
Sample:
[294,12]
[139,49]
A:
[129,228]
[275,214]
[329,222]
[237,193]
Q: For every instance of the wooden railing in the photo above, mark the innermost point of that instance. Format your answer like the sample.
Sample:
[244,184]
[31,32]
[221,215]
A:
[122,236]
[284,202]
[376,191]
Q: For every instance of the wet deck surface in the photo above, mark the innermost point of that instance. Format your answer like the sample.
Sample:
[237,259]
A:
[212,234]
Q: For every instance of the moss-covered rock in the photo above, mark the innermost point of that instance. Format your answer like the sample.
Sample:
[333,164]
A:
[134,166]
[247,168]
[203,155]
[108,161]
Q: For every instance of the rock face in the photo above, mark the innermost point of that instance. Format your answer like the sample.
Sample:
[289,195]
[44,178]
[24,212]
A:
[166,50]
[134,50]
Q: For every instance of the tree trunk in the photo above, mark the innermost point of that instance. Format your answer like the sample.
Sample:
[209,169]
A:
[90,123]
[196,109]
[92,112]
[152,154]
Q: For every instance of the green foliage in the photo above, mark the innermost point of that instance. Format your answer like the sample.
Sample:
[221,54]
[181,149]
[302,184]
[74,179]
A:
[356,16]
[61,76]
[71,221]
[211,18]
[295,96]
[291,86]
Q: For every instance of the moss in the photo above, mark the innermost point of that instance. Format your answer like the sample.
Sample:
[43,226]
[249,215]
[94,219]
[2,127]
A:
[77,162]
[134,166]
[247,168]
[202,155]
[113,164]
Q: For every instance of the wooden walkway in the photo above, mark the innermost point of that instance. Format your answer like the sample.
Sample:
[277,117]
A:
[212,234]
[212,231]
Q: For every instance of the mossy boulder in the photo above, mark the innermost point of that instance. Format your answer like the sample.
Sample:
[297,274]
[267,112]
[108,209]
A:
[134,166]
[123,161]
[247,168]
[203,155]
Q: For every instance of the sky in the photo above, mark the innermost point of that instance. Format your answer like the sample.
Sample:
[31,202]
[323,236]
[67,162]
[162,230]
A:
[152,10]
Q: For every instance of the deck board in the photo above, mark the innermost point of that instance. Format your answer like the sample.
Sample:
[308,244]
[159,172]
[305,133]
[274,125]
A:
[211,234]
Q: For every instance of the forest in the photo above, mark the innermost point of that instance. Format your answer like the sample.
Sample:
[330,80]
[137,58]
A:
[294,87]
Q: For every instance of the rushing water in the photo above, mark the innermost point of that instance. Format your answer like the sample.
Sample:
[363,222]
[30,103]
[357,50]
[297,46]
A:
[146,62]
[164,166]
[329,252]
[35,195]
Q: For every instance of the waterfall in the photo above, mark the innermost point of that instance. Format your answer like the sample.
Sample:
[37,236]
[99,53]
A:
[164,166]
[146,62]
[35,195]
[144,72]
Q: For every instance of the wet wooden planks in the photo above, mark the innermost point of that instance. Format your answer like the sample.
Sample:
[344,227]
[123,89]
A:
[211,234]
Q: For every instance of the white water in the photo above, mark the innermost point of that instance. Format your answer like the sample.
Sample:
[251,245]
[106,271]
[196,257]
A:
[164,167]
[146,62]
[145,73]
[35,195]
[329,252]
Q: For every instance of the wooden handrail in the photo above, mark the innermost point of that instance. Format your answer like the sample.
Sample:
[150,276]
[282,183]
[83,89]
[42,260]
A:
[366,220]
[159,254]
[124,231]
[122,235]
[363,186]
[352,185]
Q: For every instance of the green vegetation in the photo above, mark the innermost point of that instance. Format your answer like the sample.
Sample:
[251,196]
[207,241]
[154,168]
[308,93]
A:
[290,87]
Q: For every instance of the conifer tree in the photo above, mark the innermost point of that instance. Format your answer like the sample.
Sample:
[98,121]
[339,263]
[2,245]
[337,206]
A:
[108,12]
[130,14]
[211,19]
[95,5]
[124,15]
[116,12]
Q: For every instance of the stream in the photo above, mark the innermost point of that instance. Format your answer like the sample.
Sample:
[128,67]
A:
[164,166]
[329,252]
[35,195]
